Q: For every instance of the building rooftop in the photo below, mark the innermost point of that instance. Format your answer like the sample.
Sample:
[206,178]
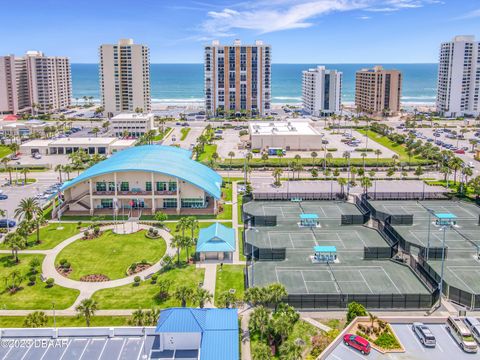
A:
[219,328]
[216,238]
[131,116]
[293,128]
[168,160]
[83,141]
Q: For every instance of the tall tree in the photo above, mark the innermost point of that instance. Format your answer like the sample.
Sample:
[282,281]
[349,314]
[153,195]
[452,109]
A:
[87,309]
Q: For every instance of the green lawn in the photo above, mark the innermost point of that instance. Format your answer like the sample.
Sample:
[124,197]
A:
[111,254]
[385,141]
[227,191]
[50,236]
[67,321]
[184,132]
[230,277]
[161,135]
[226,214]
[470,193]
[207,153]
[239,208]
[240,244]
[4,151]
[37,296]
[143,296]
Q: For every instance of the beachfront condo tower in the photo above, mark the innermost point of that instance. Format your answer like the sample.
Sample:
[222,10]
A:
[34,83]
[321,91]
[237,79]
[125,77]
[459,77]
[378,91]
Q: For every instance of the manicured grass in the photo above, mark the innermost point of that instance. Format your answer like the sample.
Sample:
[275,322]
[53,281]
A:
[240,244]
[227,191]
[4,151]
[93,218]
[239,208]
[37,296]
[470,193]
[67,321]
[208,152]
[385,141]
[161,135]
[143,296]
[230,277]
[111,254]
[50,236]
[226,214]
[21,181]
[184,132]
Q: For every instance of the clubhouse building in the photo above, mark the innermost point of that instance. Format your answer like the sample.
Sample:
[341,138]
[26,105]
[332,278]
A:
[149,178]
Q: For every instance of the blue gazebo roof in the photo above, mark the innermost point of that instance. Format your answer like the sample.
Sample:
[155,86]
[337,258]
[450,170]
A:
[325,249]
[308,216]
[445,216]
[216,238]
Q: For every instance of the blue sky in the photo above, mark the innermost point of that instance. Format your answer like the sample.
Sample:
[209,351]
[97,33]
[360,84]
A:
[300,31]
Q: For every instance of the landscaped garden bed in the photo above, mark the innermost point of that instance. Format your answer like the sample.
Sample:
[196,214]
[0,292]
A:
[94,278]
[379,333]
[135,268]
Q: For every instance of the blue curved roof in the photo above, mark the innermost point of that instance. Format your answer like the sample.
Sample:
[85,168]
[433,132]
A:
[168,160]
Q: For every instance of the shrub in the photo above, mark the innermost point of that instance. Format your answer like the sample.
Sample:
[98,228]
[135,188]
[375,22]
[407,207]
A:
[256,151]
[332,149]
[96,230]
[50,282]
[355,309]
[86,234]
[387,341]
[154,278]
[66,265]
[79,225]
[136,280]
[243,132]
[32,279]
[63,262]
[155,232]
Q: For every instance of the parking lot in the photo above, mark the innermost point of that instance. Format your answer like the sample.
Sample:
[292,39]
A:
[446,349]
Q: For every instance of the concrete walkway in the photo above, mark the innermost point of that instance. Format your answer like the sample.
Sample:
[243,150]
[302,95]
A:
[236,254]
[88,288]
[209,280]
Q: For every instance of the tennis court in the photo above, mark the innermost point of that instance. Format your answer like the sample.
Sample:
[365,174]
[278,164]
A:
[288,210]
[462,210]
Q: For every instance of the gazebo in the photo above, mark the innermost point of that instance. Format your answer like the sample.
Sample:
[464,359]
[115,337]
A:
[309,220]
[325,254]
[217,242]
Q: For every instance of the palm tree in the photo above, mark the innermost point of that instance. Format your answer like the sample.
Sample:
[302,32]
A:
[28,209]
[377,153]
[67,169]
[264,159]
[183,293]
[202,296]
[259,321]
[15,242]
[290,351]
[226,299]
[366,183]
[261,351]
[87,309]
[277,173]
[314,155]
[25,172]
[277,292]
[342,182]
[193,225]
[8,168]
[177,243]
[95,131]
[456,164]
[35,320]
[231,155]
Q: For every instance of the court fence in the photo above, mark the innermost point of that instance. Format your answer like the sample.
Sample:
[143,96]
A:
[257,195]
[370,301]
[454,294]
[354,219]
[434,253]
[418,195]
[374,253]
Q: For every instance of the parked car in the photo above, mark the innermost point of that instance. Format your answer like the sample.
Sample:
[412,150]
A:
[36,155]
[357,342]
[324,141]
[430,139]
[460,151]
[460,333]
[424,334]
[3,197]
[474,325]
[7,223]
[470,165]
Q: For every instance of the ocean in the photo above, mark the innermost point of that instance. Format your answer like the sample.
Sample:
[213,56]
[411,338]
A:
[177,83]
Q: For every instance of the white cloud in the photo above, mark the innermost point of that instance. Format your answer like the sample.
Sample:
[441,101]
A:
[364,18]
[276,15]
[471,15]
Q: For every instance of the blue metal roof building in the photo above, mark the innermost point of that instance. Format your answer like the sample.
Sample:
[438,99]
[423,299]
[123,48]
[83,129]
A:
[218,330]
[216,237]
[168,160]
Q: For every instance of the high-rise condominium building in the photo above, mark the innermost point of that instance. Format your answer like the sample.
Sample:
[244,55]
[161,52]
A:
[321,91]
[125,77]
[378,91]
[34,82]
[238,78]
[459,77]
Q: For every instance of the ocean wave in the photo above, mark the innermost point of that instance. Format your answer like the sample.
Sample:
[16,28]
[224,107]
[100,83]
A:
[286,98]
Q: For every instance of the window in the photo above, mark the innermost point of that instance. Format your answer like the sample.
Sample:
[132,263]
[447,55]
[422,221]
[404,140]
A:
[124,186]
[170,203]
[172,186]
[111,186]
[101,186]
[148,186]
[106,203]
[161,186]
[192,203]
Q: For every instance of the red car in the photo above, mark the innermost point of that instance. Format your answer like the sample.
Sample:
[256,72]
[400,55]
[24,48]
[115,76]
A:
[357,342]
[460,151]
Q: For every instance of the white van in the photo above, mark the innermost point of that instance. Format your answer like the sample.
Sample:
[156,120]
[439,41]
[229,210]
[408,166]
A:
[459,331]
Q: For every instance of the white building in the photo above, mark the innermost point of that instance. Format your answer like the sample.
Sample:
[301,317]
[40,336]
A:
[459,77]
[65,146]
[321,91]
[286,135]
[125,77]
[134,124]
[238,78]
[22,129]
[34,79]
